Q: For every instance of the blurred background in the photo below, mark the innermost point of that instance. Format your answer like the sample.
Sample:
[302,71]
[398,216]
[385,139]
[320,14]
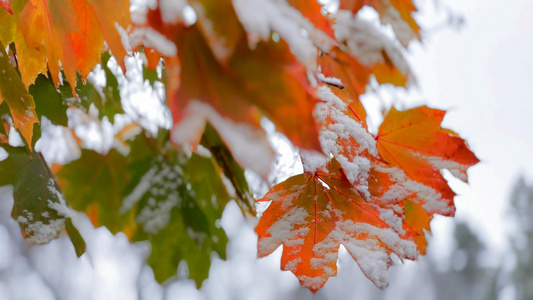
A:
[475,62]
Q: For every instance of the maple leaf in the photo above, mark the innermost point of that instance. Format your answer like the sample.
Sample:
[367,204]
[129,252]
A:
[312,214]
[414,141]
[220,27]
[53,103]
[94,183]
[4,132]
[160,196]
[177,207]
[261,18]
[67,33]
[48,102]
[39,207]
[399,201]
[398,13]
[51,23]
[312,10]
[266,81]
[355,76]
[238,87]
[20,102]
[231,169]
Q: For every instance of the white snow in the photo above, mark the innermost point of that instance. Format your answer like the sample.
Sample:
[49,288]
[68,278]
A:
[287,230]
[150,38]
[312,160]
[154,39]
[140,189]
[38,232]
[404,33]
[371,256]
[228,185]
[124,39]
[260,17]
[172,10]
[457,169]
[248,145]
[203,151]
[330,80]
[159,184]
[343,127]
[60,206]
[431,200]
[156,218]
[366,41]
[41,229]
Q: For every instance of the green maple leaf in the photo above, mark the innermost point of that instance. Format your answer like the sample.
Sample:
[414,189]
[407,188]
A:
[38,198]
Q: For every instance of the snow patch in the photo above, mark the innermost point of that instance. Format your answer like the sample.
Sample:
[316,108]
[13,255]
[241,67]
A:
[172,10]
[287,230]
[260,17]
[330,80]
[248,145]
[366,42]
[313,161]
[339,126]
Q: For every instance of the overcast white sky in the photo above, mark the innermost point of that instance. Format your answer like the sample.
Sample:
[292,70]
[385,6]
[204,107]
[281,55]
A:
[483,75]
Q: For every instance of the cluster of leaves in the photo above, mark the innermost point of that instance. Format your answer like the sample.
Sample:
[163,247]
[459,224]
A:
[240,61]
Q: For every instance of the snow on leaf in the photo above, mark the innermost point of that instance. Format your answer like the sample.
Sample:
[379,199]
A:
[312,214]
[248,144]
[177,207]
[371,48]
[392,175]
[398,13]
[313,11]
[261,17]
[36,196]
[344,135]
[220,26]
[266,81]
[414,141]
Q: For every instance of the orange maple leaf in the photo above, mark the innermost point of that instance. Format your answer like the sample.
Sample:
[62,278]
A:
[414,141]
[312,10]
[69,34]
[398,13]
[266,81]
[20,102]
[236,84]
[312,214]
[396,186]
[354,77]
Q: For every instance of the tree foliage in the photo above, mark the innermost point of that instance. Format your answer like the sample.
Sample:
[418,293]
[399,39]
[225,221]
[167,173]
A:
[226,66]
